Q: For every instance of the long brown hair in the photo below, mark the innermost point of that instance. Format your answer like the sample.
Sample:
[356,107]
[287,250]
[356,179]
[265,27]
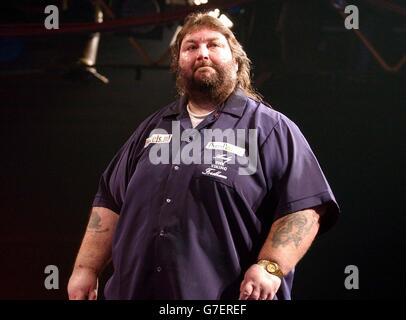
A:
[196,21]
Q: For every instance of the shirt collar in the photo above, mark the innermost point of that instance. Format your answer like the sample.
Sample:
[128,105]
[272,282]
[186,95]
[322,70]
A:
[235,105]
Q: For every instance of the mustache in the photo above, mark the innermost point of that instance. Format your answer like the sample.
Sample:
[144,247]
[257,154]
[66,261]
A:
[204,64]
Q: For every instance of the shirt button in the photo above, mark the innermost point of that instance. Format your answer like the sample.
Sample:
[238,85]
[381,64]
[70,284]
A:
[168,200]
[161,233]
[176,167]
[158,269]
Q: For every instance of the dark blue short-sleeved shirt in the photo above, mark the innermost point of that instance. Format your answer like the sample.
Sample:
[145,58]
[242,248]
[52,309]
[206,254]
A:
[190,228]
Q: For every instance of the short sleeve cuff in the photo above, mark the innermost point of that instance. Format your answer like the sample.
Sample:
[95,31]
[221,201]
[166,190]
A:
[328,219]
[101,202]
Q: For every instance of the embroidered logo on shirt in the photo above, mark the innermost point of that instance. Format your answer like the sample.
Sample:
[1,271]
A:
[220,166]
[225,146]
[158,138]
[221,159]
[213,172]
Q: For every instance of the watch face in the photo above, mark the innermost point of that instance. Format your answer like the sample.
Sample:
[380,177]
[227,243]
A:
[271,268]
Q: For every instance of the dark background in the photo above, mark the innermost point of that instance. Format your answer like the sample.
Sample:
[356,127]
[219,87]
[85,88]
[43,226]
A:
[58,133]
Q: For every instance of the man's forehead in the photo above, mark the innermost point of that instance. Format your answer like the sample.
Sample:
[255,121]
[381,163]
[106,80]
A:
[204,35]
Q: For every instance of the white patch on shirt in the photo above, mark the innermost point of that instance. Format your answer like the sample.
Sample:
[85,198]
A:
[225,146]
[158,138]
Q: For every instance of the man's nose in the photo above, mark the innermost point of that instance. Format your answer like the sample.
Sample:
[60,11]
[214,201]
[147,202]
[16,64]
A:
[203,52]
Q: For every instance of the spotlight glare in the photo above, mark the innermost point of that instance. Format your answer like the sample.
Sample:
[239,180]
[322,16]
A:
[226,21]
[214,13]
[222,17]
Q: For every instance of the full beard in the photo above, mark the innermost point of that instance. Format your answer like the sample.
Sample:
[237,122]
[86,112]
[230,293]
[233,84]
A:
[215,86]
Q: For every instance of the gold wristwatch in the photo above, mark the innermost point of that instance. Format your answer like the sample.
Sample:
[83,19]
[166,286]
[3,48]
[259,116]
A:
[271,267]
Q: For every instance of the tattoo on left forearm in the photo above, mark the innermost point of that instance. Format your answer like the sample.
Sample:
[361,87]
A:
[94,223]
[292,229]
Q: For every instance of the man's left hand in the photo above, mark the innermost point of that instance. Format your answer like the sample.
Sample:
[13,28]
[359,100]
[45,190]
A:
[258,284]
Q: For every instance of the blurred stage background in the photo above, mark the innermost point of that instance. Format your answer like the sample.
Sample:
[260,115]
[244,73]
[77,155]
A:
[61,124]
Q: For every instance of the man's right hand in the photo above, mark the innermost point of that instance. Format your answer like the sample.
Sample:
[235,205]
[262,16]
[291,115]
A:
[94,254]
[82,284]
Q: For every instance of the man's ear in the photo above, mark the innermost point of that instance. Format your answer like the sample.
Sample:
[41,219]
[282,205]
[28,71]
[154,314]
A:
[236,66]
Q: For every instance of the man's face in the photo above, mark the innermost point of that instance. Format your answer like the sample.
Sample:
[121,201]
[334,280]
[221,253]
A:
[206,62]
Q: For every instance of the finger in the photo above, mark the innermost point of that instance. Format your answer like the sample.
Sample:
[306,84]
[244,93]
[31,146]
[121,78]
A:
[77,296]
[263,296]
[270,296]
[93,295]
[245,290]
[255,293]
